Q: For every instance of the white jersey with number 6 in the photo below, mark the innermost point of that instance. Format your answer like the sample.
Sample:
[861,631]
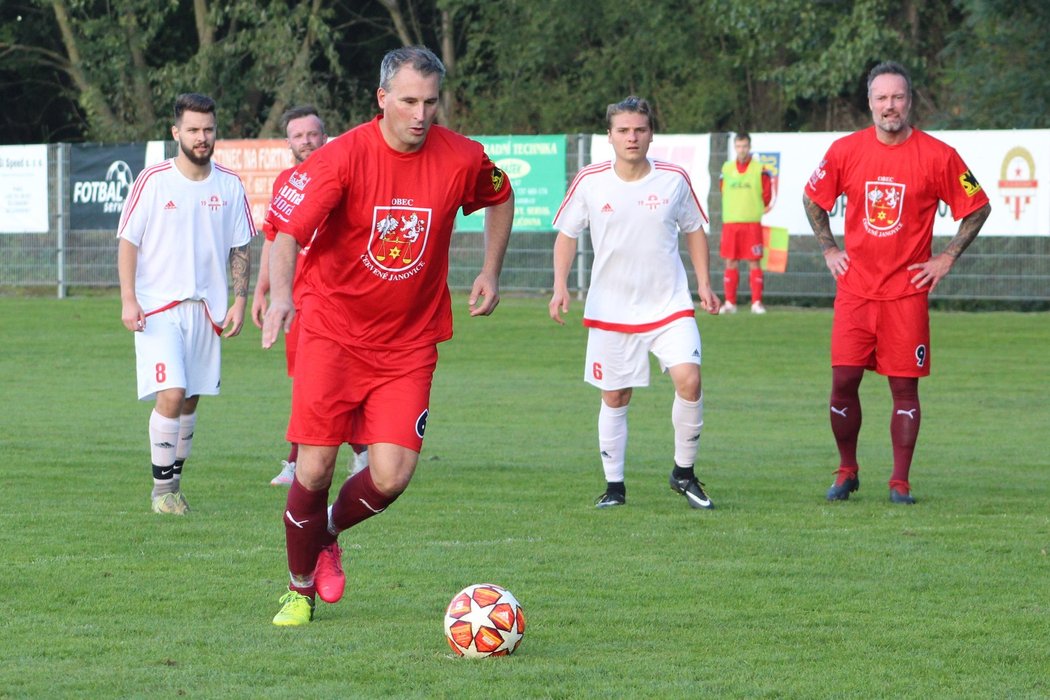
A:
[638,281]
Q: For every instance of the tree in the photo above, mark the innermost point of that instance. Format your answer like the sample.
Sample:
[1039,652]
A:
[32,84]
[109,70]
[996,65]
[126,60]
[805,63]
[542,67]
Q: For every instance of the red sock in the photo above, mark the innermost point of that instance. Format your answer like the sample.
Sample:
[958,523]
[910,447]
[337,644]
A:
[904,424]
[358,500]
[845,412]
[730,281]
[755,279]
[293,453]
[305,532]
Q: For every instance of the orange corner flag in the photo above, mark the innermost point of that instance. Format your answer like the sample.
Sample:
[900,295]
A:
[774,249]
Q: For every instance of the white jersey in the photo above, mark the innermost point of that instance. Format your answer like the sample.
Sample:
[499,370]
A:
[638,281]
[184,230]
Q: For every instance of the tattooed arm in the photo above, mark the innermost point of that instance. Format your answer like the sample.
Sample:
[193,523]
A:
[240,267]
[835,258]
[936,268]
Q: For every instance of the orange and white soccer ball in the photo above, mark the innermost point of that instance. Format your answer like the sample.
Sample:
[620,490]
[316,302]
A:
[484,620]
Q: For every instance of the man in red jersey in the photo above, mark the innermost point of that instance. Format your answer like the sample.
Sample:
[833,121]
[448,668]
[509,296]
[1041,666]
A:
[893,176]
[373,303]
[305,133]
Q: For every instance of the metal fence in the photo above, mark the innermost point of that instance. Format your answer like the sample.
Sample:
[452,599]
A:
[994,268]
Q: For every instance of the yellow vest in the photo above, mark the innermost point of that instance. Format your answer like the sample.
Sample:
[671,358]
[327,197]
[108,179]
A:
[742,193]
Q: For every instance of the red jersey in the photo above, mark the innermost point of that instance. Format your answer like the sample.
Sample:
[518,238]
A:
[377,272]
[269,227]
[892,193]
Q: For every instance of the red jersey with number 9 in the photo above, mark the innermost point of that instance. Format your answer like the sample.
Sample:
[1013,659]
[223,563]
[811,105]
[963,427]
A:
[376,272]
[892,195]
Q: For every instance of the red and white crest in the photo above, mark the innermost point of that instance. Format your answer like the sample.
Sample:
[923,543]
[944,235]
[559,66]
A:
[399,237]
[883,204]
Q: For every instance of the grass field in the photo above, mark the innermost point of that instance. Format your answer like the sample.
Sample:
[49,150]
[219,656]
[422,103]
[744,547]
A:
[776,593]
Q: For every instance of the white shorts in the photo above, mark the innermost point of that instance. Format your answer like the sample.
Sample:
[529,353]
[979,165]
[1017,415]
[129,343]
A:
[621,360]
[179,349]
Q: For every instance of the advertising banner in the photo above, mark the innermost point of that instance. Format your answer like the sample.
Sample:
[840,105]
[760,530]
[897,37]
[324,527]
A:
[691,152]
[100,179]
[1011,166]
[23,189]
[258,162]
[536,168]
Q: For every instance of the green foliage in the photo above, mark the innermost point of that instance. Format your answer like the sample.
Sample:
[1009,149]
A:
[39,103]
[996,67]
[135,57]
[776,593]
[526,66]
[544,67]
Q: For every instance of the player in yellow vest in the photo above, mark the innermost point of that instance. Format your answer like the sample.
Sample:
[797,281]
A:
[746,193]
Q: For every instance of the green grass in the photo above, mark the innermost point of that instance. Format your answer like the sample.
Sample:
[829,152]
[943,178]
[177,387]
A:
[776,593]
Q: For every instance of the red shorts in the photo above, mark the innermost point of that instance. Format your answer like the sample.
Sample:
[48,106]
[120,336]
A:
[291,339]
[891,337]
[741,242]
[360,396]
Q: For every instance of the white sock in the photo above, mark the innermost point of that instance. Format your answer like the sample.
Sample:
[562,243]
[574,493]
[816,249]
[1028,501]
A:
[163,437]
[187,424]
[687,418]
[612,440]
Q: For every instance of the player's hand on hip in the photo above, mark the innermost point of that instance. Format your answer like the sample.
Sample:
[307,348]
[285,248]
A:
[837,261]
[132,317]
[559,305]
[932,271]
[277,318]
[485,290]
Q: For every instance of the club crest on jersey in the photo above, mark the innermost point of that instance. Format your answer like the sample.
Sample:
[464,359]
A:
[299,180]
[883,204]
[653,202]
[214,202]
[498,178]
[399,237]
[969,184]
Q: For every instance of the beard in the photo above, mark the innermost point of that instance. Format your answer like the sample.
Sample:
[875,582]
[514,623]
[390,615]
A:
[194,158]
[892,124]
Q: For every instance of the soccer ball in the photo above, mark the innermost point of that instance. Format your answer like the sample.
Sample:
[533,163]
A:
[484,620]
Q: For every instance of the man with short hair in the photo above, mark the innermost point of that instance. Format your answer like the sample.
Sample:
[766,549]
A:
[639,300]
[894,177]
[747,191]
[373,303]
[183,219]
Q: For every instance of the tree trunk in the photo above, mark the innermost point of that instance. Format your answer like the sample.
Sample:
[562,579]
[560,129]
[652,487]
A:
[448,56]
[205,38]
[145,115]
[393,8]
[103,123]
[300,67]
